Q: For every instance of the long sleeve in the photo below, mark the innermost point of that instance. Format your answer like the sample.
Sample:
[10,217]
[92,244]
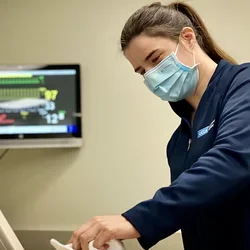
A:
[218,175]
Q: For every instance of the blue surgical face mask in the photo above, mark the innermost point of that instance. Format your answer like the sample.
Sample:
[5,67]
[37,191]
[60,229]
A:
[171,80]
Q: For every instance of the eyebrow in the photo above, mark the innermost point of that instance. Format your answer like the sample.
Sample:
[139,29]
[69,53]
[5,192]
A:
[147,58]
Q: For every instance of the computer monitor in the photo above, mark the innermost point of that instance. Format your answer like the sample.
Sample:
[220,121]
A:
[40,106]
[8,239]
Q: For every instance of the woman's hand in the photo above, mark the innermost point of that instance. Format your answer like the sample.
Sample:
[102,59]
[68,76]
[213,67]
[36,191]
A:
[102,229]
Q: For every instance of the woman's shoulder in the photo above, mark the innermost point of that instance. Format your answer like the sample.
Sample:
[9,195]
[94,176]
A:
[229,76]
[240,77]
[240,71]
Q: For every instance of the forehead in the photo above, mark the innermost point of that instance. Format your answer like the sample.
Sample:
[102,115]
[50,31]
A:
[141,46]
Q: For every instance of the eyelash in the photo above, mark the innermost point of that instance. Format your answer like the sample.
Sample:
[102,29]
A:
[156,59]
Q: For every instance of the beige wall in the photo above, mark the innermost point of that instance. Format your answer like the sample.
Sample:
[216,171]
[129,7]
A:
[126,128]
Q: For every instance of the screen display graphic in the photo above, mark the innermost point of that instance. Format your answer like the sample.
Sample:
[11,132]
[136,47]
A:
[39,102]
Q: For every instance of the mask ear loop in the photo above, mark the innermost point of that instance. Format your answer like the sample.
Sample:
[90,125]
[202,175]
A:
[176,50]
[195,64]
[194,57]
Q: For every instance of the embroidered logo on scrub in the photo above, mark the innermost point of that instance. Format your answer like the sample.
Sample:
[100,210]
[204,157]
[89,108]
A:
[205,130]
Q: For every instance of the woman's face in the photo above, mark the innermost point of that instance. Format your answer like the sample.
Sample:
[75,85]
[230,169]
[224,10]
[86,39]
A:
[145,52]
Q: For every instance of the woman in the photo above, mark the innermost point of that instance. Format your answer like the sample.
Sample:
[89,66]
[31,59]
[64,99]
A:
[209,153]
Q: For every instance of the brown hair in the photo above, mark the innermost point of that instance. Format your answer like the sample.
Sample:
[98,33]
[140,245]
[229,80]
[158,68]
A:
[168,21]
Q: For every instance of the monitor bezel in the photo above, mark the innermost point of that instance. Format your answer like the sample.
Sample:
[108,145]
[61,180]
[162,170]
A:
[70,136]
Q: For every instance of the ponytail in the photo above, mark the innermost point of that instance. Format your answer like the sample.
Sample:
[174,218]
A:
[204,39]
[168,21]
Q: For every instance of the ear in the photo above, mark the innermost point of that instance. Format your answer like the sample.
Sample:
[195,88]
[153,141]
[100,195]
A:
[187,37]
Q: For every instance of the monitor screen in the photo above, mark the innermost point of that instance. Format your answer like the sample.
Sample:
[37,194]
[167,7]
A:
[40,102]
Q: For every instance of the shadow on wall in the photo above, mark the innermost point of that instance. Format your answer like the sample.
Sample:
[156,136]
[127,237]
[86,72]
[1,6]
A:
[26,174]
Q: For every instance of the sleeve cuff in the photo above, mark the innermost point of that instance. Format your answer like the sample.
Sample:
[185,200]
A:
[147,239]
